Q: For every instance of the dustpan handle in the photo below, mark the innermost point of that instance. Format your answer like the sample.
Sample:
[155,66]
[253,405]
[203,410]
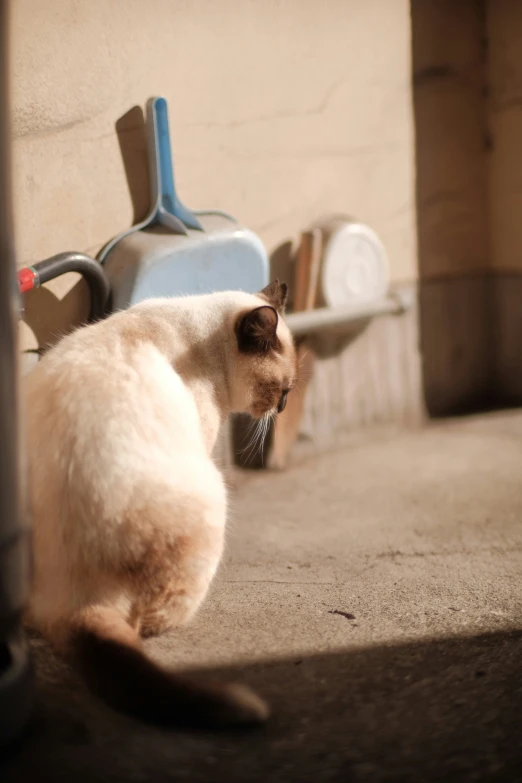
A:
[166,208]
[162,173]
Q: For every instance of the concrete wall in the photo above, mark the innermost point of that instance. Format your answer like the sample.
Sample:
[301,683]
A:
[467,65]
[504,32]
[451,139]
[467,61]
[280,112]
[504,27]
[452,148]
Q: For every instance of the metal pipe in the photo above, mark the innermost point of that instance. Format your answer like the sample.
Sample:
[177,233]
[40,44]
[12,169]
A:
[324,318]
[15,688]
[91,270]
[86,266]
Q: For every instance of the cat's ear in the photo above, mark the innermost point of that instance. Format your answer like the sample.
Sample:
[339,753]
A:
[257,330]
[276,294]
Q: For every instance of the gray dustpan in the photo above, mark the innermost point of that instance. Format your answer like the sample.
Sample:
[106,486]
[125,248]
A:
[175,251]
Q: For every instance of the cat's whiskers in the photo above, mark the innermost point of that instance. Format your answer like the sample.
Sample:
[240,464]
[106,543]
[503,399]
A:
[256,443]
[267,420]
[251,447]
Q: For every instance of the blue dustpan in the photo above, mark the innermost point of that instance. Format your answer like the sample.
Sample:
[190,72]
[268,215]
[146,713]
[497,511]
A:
[176,251]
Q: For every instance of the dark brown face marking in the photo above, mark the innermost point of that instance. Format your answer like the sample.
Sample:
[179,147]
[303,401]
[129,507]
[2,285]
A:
[266,395]
[257,330]
[276,294]
[270,395]
[268,362]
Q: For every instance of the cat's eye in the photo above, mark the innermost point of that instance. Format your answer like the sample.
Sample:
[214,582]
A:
[282,402]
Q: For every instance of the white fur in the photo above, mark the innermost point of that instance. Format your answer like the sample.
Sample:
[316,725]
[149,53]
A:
[119,450]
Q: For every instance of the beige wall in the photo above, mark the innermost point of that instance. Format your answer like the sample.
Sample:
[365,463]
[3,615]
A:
[281,110]
[451,137]
[504,26]
[467,63]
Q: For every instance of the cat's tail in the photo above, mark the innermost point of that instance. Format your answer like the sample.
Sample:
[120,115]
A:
[108,653]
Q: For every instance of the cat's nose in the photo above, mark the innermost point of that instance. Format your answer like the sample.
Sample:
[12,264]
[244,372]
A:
[282,402]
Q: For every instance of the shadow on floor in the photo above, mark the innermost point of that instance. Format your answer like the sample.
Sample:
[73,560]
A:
[439,710]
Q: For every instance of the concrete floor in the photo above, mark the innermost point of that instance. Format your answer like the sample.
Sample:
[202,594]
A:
[373,595]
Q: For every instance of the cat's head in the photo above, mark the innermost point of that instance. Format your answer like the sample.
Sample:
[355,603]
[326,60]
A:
[265,363]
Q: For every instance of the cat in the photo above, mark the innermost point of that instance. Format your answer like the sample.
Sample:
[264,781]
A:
[127,507]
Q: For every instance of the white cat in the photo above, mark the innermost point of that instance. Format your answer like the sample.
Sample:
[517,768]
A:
[127,507]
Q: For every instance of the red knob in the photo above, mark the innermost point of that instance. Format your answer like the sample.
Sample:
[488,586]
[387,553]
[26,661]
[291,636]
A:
[27,279]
